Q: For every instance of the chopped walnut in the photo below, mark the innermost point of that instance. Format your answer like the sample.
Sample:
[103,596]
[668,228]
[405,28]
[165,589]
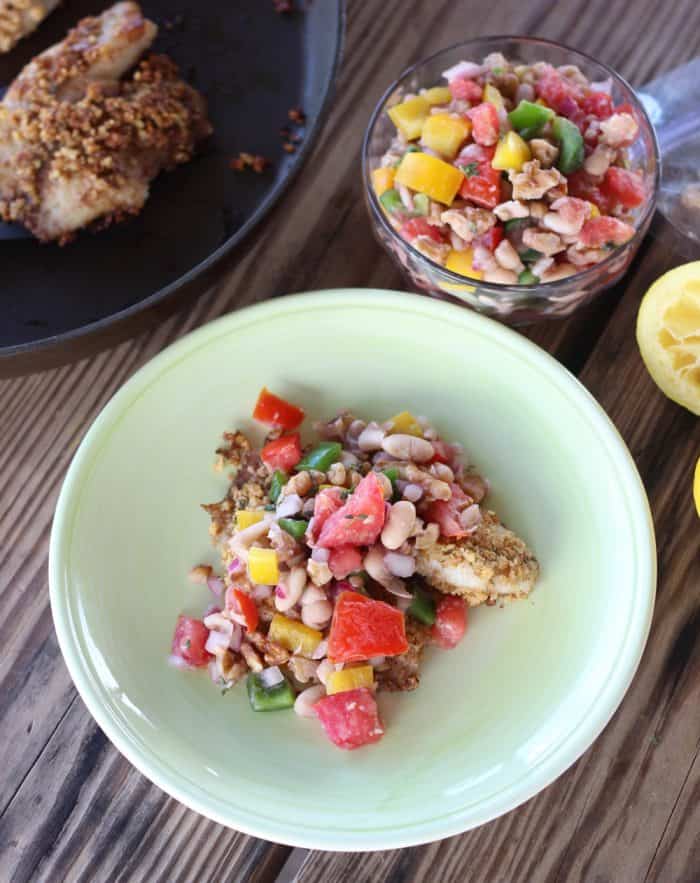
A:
[599,161]
[299,484]
[618,130]
[468,222]
[303,669]
[546,243]
[532,182]
[273,653]
[251,657]
[514,208]
[436,251]
[231,667]
[543,151]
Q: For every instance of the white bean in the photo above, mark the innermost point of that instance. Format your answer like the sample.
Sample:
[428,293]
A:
[312,594]
[375,566]
[408,447]
[412,493]
[399,565]
[400,523]
[317,615]
[371,437]
[293,587]
[305,701]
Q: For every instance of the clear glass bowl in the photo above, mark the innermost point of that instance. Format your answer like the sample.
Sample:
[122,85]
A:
[515,304]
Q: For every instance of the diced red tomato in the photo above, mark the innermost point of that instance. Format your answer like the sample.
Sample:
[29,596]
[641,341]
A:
[597,104]
[189,640]
[485,125]
[482,183]
[283,453]
[492,238]
[560,93]
[362,628]
[466,90]
[450,622]
[582,186]
[344,560]
[605,231]
[274,411]
[416,227]
[359,522]
[248,609]
[326,502]
[351,718]
[623,187]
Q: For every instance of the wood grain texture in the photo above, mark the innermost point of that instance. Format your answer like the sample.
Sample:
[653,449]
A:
[71,808]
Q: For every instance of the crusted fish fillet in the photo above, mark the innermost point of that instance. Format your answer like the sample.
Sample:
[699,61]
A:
[18,18]
[491,564]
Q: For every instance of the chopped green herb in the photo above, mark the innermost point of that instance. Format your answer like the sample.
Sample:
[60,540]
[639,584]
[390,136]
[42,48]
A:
[527,277]
[471,169]
[294,527]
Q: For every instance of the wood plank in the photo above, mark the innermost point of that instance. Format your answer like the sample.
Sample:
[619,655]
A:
[64,784]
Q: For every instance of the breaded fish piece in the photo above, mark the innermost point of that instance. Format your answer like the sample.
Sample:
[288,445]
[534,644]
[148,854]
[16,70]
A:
[491,564]
[18,18]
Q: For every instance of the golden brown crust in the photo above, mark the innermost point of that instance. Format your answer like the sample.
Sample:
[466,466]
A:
[400,673]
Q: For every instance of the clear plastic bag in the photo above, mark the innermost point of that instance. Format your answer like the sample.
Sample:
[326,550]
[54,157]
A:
[674,108]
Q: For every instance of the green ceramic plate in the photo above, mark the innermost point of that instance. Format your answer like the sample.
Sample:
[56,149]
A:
[493,721]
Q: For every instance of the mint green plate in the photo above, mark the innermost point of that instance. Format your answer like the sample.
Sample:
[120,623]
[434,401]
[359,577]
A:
[493,721]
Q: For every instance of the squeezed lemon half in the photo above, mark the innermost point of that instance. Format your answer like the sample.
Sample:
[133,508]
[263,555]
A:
[696,486]
[668,334]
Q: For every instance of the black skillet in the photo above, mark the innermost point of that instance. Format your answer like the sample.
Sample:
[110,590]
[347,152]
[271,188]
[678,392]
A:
[253,65]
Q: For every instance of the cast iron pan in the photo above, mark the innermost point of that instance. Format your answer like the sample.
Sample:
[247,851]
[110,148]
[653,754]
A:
[253,65]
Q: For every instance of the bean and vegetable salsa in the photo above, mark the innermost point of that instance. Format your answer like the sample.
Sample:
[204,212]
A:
[511,173]
[319,602]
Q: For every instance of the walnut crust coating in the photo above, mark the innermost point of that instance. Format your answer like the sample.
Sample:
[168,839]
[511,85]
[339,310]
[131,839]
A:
[18,18]
[492,564]
[71,130]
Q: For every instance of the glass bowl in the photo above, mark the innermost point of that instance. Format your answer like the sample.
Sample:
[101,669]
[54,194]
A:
[515,304]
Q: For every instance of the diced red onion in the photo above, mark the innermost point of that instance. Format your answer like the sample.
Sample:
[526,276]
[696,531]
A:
[216,641]
[289,505]
[412,493]
[377,660]
[470,518]
[347,458]
[400,565]
[270,677]
[236,564]
[215,585]
[406,197]
[396,588]
[179,662]
[321,650]
[602,86]
[260,592]
[403,603]
[214,671]
[321,555]
[212,608]
[462,70]
[280,591]
[236,638]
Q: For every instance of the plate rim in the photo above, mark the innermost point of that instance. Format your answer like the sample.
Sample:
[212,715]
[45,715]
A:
[215,258]
[417,832]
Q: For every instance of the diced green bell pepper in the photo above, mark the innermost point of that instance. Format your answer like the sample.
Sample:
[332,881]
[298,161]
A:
[269,698]
[529,118]
[422,607]
[570,142]
[516,224]
[279,479]
[294,527]
[421,204]
[321,457]
[392,473]
[391,201]
[527,277]
[530,254]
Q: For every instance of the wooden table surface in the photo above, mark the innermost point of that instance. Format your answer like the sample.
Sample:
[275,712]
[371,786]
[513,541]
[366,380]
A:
[71,808]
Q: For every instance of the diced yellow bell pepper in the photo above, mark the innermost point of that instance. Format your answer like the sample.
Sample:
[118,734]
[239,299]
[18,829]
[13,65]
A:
[462,263]
[493,96]
[263,568]
[382,179]
[406,424]
[350,679]
[409,116]
[445,134]
[294,635]
[437,95]
[246,517]
[430,175]
[595,211]
[512,152]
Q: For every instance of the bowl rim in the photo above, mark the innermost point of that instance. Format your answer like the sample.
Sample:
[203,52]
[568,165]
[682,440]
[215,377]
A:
[527,291]
[161,772]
